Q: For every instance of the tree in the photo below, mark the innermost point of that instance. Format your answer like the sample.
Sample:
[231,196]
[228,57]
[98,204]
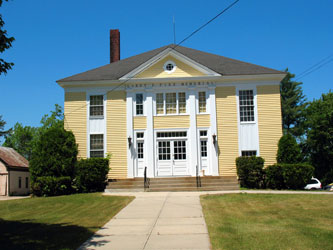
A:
[319,136]
[55,154]
[3,132]
[288,150]
[5,43]
[21,138]
[293,105]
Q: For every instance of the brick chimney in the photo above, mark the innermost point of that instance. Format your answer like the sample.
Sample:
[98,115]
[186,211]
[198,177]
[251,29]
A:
[114,45]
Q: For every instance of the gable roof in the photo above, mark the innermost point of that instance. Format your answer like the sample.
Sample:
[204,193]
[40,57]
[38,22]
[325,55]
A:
[12,158]
[220,64]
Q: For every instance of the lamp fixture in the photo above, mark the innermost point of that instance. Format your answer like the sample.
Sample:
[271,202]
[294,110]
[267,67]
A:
[214,139]
[129,139]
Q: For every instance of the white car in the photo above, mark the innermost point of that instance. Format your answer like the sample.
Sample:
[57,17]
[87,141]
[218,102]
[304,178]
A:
[314,184]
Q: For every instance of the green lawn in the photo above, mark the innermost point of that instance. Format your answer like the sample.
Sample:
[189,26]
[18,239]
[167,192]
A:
[62,222]
[269,221]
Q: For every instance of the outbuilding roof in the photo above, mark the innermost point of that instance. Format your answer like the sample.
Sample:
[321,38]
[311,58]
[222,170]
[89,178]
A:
[220,64]
[12,158]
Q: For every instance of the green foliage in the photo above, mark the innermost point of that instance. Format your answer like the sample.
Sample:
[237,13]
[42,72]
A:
[91,174]
[293,105]
[288,150]
[5,43]
[274,177]
[51,186]
[54,155]
[21,139]
[55,119]
[296,176]
[2,127]
[288,176]
[250,171]
[319,134]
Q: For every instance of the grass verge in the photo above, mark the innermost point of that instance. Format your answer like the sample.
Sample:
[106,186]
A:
[269,221]
[62,222]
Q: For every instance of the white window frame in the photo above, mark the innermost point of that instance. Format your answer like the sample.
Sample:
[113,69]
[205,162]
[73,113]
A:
[104,149]
[203,138]
[164,102]
[254,90]
[206,101]
[89,106]
[173,69]
[143,104]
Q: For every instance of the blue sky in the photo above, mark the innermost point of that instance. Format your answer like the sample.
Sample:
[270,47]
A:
[56,39]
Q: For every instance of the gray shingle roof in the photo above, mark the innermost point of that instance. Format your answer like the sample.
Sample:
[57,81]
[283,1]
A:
[220,64]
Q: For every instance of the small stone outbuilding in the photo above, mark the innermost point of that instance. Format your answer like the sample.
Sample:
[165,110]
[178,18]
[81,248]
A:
[14,173]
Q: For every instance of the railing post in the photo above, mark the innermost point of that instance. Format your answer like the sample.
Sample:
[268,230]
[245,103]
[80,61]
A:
[145,180]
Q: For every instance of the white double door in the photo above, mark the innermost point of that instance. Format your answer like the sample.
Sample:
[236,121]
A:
[172,157]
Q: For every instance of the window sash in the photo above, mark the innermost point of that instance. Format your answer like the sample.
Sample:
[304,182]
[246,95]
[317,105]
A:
[249,153]
[97,146]
[139,104]
[202,102]
[140,146]
[246,105]
[171,103]
[181,103]
[159,103]
[96,105]
[203,148]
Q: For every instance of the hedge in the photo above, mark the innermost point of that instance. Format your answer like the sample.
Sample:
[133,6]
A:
[250,171]
[91,174]
[288,176]
[51,186]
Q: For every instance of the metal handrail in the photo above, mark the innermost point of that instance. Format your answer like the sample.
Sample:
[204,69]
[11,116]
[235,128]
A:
[146,180]
[198,177]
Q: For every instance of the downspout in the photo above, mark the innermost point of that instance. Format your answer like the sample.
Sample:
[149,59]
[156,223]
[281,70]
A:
[8,181]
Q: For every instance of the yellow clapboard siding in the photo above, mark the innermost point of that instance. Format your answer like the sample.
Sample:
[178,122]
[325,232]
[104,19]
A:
[75,112]
[203,121]
[172,121]
[116,133]
[157,71]
[139,122]
[227,130]
[269,121]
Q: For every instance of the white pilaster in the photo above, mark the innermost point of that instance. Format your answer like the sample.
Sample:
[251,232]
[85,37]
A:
[149,138]
[193,141]
[130,150]
[213,130]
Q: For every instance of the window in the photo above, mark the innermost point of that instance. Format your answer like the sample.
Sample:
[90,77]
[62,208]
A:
[171,103]
[181,103]
[169,67]
[26,182]
[179,148]
[140,144]
[96,146]
[246,106]
[203,143]
[164,150]
[19,182]
[139,104]
[202,102]
[96,105]
[159,103]
[249,153]
[171,134]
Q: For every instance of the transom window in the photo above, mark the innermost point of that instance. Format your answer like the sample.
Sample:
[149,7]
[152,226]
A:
[170,103]
[139,104]
[139,135]
[202,102]
[171,134]
[249,153]
[96,105]
[246,106]
[96,146]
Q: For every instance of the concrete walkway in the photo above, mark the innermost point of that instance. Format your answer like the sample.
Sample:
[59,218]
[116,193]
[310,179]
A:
[162,220]
[155,221]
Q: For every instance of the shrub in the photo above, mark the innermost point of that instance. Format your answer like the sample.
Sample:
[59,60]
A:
[297,175]
[54,155]
[274,177]
[250,171]
[51,186]
[288,150]
[91,174]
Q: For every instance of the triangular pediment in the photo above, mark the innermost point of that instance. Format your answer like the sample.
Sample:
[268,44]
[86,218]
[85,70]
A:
[182,66]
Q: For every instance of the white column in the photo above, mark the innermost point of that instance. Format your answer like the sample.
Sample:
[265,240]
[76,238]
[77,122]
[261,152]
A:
[192,137]
[129,123]
[213,130]
[149,138]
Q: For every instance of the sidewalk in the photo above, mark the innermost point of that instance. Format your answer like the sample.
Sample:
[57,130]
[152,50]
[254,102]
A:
[155,221]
